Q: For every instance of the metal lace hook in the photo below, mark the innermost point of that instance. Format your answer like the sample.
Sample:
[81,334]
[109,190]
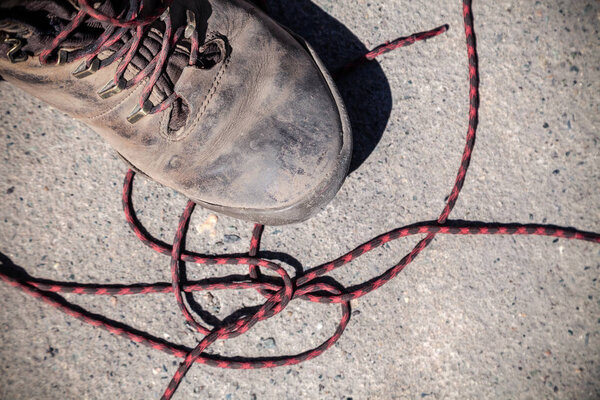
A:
[13,53]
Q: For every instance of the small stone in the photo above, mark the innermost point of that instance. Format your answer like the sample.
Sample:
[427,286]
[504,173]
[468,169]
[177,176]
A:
[52,351]
[268,343]
[231,238]
[209,225]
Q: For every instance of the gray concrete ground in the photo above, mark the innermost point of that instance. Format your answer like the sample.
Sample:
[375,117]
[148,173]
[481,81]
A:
[472,317]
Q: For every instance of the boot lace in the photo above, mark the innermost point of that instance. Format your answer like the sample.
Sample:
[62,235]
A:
[129,22]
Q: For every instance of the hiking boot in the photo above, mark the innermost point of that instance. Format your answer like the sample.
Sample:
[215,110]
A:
[211,98]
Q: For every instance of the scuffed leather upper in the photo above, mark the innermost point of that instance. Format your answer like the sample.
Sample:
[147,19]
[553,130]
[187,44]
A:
[264,129]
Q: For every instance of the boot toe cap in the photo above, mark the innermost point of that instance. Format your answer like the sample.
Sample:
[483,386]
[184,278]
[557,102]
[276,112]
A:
[274,135]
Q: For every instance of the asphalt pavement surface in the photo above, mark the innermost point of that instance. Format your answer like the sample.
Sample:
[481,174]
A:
[471,317]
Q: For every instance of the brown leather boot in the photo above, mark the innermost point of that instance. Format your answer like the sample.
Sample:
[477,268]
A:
[213,98]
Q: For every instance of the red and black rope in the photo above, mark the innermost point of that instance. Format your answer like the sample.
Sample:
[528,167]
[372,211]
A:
[138,26]
[279,292]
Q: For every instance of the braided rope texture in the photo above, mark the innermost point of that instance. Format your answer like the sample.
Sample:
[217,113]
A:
[155,67]
[280,291]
